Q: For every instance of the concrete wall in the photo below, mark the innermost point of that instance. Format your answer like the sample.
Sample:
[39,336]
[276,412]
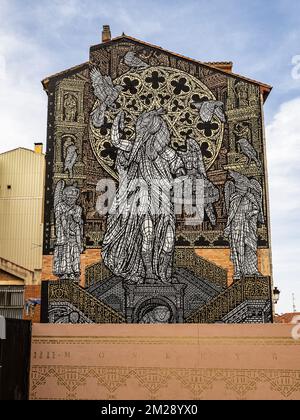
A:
[100,362]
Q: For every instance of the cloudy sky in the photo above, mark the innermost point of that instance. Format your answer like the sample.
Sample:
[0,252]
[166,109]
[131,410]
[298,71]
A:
[262,38]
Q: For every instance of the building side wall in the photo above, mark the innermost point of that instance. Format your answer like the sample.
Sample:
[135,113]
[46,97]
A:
[174,83]
[21,208]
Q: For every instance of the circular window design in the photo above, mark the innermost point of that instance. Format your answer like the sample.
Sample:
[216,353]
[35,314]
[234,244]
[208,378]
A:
[153,88]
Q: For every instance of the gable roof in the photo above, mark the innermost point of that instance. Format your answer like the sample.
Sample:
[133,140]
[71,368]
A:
[222,67]
[22,149]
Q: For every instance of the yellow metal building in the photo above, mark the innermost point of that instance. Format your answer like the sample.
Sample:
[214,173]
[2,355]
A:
[22,182]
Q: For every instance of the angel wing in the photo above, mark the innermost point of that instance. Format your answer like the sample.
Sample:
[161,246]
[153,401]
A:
[99,84]
[98,115]
[60,186]
[219,112]
[108,81]
[108,85]
[229,190]
[257,191]
[208,109]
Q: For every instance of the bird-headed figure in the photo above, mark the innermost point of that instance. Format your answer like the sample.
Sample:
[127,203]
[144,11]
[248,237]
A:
[70,160]
[106,92]
[248,150]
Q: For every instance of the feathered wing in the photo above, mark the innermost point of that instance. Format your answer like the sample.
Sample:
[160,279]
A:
[257,191]
[74,159]
[70,158]
[249,151]
[99,84]
[109,89]
[195,149]
[108,82]
[98,115]
[219,112]
[60,186]
[229,190]
[207,111]
[133,61]
[210,108]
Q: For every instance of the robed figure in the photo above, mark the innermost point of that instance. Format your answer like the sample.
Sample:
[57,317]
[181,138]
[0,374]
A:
[140,237]
[69,232]
[244,207]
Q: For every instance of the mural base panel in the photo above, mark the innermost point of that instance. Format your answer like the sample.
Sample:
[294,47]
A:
[165,362]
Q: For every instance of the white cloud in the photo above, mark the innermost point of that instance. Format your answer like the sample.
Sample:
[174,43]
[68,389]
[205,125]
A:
[22,102]
[2,67]
[283,144]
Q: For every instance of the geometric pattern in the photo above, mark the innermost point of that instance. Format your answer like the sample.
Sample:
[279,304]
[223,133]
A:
[154,88]
[241,382]
[101,362]
[83,146]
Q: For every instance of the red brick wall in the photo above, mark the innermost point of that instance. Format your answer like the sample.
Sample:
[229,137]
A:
[221,257]
[91,256]
[33,292]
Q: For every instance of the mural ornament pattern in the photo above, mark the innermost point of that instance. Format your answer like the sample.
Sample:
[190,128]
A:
[181,147]
[152,88]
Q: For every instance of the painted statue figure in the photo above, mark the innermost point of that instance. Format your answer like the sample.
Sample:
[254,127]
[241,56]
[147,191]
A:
[140,237]
[195,169]
[243,199]
[106,93]
[242,95]
[70,107]
[69,232]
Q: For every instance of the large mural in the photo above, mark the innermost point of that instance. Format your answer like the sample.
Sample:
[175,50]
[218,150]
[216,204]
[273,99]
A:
[150,157]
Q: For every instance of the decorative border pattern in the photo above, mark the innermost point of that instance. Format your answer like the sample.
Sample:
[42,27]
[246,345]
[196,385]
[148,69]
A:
[196,381]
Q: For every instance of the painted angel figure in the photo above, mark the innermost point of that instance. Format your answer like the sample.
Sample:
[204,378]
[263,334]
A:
[140,237]
[107,94]
[69,232]
[195,169]
[244,208]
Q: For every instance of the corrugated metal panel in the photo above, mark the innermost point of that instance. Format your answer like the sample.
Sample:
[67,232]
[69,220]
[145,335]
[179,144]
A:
[21,204]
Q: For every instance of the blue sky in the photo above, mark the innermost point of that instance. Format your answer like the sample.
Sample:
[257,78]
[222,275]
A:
[261,37]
